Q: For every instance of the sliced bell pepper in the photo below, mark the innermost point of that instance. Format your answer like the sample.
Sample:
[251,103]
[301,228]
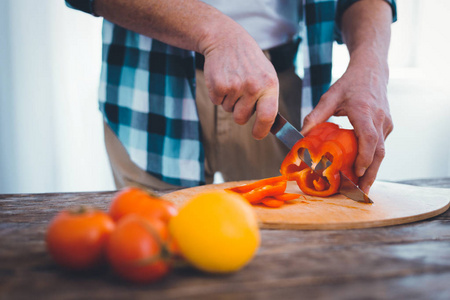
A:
[338,145]
[272,202]
[256,191]
[286,196]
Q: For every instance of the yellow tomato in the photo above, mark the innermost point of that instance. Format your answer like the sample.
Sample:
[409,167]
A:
[217,231]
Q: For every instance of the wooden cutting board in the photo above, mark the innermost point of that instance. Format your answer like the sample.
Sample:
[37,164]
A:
[393,204]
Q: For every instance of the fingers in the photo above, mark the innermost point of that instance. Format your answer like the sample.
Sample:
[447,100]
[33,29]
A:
[264,105]
[244,104]
[368,138]
[366,181]
[326,107]
[266,111]
[388,126]
[245,98]
[371,131]
[260,95]
[225,92]
[245,88]
[370,153]
[372,125]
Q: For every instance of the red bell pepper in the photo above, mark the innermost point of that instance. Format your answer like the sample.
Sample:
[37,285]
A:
[256,191]
[338,145]
[272,202]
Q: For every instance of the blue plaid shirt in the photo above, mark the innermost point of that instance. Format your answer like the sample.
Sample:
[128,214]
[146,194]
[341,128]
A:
[147,90]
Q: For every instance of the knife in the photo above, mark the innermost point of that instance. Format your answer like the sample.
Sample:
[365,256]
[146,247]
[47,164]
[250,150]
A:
[289,135]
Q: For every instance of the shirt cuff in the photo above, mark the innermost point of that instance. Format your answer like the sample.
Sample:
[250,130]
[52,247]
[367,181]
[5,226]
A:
[86,6]
[342,6]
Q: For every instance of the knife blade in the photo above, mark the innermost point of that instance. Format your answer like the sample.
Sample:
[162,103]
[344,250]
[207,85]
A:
[352,191]
[289,135]
[347,187]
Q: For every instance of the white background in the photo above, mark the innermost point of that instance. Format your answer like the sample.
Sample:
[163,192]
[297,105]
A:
[51,137]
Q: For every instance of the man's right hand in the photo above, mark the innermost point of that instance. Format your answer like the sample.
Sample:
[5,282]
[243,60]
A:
[238,75]
[240,78]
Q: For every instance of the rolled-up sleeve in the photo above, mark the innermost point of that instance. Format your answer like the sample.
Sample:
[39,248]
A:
[342,6]
[86,6]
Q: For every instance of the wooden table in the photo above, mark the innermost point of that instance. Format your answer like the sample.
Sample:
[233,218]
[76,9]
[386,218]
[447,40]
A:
[397,262]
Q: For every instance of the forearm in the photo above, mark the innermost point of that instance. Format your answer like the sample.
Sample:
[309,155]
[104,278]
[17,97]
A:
[187,24]
[366,31]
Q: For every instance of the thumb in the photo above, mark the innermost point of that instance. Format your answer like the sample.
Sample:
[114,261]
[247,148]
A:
[322,112]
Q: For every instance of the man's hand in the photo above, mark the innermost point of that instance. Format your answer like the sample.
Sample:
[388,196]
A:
[241,79]
[238,75]
[360,93]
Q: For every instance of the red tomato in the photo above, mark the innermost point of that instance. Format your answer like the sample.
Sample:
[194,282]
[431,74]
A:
[135,200]
[77,239]
[137,250]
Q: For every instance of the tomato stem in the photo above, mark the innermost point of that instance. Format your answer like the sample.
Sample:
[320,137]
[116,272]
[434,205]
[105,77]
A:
[164,252]
[79,210]
[148,191]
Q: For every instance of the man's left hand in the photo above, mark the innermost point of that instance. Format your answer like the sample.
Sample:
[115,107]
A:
[359,94]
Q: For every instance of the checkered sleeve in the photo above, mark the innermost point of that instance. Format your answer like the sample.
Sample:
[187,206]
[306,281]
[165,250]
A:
[319,18]
[147,96]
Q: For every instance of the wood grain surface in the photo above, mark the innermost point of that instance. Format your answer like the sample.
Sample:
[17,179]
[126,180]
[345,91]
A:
[409,261]
[393,204]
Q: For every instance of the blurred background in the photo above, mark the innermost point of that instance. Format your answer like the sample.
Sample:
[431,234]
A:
[51,134]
